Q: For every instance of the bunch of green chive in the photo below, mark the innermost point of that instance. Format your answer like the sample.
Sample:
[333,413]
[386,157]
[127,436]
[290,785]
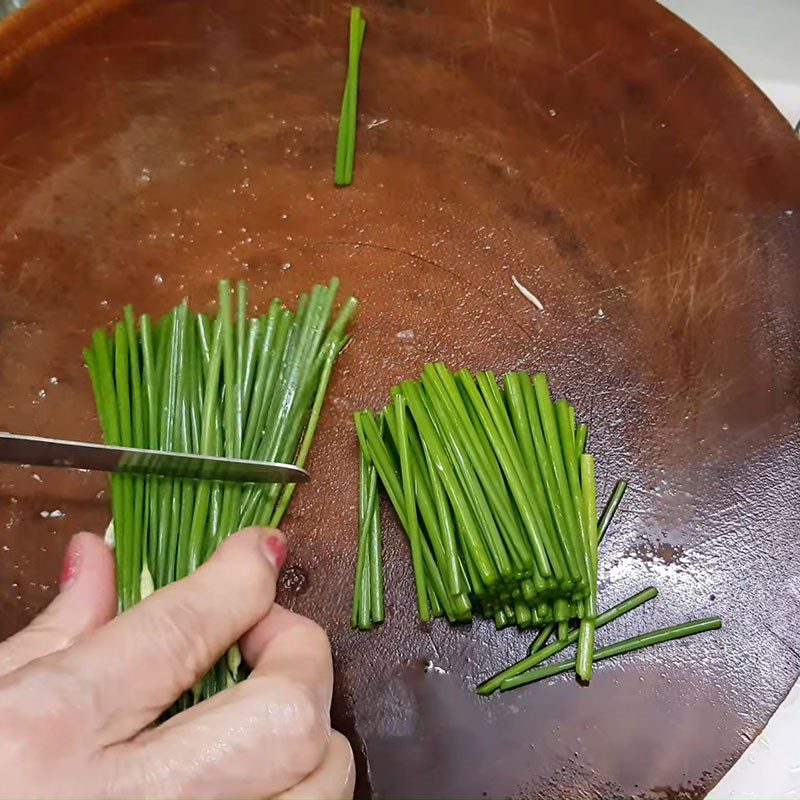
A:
[346,139]
[494,495]
[497,498]
[230,385]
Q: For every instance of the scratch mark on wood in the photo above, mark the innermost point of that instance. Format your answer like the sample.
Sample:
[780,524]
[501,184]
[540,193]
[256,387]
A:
[700,147]
[436,265]
[675,89]
[554,26]
[625,139]
[584,63]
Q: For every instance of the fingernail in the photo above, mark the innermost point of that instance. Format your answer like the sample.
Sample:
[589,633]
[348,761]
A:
[275,549]
[71,564]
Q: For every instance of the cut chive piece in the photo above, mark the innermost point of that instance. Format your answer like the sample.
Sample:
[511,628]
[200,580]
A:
[589,516]
[346,138]
[360,598]
[611,508]
[410,506]
[368,592]
[581,432]
[625,646]
[488,686]
[539,642]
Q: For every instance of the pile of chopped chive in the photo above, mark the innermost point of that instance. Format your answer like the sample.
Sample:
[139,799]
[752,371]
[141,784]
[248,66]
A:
[346,139]
[229,385]
[496,494]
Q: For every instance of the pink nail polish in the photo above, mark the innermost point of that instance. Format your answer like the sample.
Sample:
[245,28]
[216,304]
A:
[71,564]
[276,550]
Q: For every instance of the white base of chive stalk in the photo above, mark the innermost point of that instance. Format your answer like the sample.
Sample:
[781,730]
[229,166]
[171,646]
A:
[146,585]
[108,537]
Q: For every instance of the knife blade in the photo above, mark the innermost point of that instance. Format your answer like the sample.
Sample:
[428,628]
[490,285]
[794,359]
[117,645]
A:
[44,452]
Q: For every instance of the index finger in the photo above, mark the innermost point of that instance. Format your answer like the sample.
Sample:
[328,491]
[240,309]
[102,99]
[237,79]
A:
[141,662]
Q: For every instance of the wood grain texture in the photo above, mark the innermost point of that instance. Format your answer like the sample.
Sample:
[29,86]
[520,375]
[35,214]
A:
[610,158]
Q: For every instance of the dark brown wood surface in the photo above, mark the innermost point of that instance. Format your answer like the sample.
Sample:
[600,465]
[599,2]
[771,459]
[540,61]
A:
[606,155]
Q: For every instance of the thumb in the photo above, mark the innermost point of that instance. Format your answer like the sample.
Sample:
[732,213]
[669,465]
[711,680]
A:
[87,599]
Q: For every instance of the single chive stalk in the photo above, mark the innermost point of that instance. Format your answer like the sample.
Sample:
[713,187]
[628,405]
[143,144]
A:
[625,646]
[358,599]
[346,138]
[611,509]
[539,642]
[588,621]
[581,432]
[493,683]
[410,507]
[368,592]
[375,546]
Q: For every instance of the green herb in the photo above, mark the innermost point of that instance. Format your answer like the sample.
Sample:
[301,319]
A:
[467,468]
[497,496]
[346,139]
[368,592]
[581,432]
[626,646]
[542,654]
[587,626]
[539,642]
[230,385]
[610,509]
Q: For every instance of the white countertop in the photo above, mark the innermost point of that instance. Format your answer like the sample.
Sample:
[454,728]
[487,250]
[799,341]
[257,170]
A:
[761,36]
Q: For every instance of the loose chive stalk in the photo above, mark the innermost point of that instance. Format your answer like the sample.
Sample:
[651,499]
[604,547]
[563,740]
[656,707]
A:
[539,642]
[412,523]
[588,621]
[375,550]
[493,683]
[346,139]
[368,594]
[581,432]
[625,646]
[611,508]
[363,489]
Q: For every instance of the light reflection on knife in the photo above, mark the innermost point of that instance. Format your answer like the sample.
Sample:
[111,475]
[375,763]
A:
[42,452]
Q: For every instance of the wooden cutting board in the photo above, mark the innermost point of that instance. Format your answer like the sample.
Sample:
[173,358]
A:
[605,154]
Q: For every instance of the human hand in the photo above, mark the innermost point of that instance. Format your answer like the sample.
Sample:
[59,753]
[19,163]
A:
[80,687]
